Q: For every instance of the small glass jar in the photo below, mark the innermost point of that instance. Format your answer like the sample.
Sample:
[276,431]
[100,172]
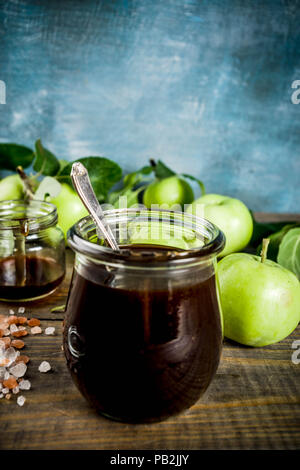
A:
[143,328]
[32,250]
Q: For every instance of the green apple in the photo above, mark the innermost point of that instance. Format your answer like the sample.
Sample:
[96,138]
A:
[230,215]
[69,207]
[11,187]
[168,191]
[260,300]
[157,233]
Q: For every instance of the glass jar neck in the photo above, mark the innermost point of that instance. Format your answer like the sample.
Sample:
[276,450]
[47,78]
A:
[25,217]
[202,239]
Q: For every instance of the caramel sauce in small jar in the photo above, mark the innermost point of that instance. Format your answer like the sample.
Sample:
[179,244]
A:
[32,250]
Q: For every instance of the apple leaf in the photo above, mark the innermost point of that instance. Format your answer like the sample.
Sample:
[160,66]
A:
[49,186]
[13,155]
[200,183]
[103,173]
[130,195]
[161,170]
[62,164]
[45,162]
[289,251]
[275,240]
[264,230]
[132,179]
[130,189]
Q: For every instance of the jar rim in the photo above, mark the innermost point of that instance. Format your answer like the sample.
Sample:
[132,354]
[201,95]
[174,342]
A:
[38,214]
[214,245]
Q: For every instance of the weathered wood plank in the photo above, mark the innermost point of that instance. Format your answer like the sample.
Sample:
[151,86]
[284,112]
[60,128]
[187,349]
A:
[253,402]
[271,217]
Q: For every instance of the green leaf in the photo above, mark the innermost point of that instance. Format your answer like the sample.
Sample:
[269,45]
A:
[200,183]
[103,173]
[13,155]
[45,162]
[275,240]
[289,251]
[62,164]
[264,230]
[132,179]
[161,170]
[48,187]
[59,309]
[131,199]
[129,189]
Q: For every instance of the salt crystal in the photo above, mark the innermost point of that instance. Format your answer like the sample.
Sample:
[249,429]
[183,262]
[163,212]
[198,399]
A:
[24,385]
[22,358]
[5,390]
[11,320]
[18,370]
[8,396]
[1,386]
[13,328]
[21,310]
[21,400]
[11,354]
[4,362]
[10,383]
[17,343]
[2,350]
[50,330]
[3,319]
[11,311]
[34,322]
[36,330]
[22,328]
[6,375]
[44,366]
[19,333]
[2,373]
[16,390]
[1,395]
[6,332]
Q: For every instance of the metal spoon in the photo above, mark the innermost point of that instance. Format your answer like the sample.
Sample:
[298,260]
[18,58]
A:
[82,184]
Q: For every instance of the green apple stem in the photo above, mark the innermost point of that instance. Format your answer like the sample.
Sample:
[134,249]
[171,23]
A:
[264,249]
[26,183]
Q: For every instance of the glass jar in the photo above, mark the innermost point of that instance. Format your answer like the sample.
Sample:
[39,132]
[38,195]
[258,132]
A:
[32,250]
[143,328]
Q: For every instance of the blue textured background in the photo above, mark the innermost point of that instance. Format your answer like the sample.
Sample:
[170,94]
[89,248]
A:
[203,85]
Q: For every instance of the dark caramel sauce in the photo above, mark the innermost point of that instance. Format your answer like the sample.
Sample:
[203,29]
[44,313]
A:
[26,277]
[144,352]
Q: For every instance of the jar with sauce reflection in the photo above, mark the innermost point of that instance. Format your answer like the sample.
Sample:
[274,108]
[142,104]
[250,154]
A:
[32,250]
[143,326]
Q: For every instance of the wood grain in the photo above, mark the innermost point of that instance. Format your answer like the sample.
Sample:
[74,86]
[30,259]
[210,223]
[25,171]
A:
[253,402]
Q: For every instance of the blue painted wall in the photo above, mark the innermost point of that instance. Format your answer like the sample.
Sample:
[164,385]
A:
[203,85]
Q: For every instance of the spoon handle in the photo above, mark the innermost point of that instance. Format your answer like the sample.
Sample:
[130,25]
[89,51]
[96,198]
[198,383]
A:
[82,184]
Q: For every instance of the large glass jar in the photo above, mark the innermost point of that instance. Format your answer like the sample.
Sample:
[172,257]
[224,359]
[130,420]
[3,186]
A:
[143,329]
[32,250]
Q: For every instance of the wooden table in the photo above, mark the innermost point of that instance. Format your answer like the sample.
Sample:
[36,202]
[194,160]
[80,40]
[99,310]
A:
[253,402]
